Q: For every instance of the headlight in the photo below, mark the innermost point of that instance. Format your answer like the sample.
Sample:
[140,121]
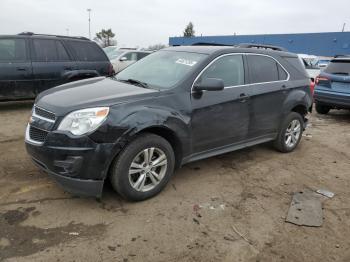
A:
[84,121]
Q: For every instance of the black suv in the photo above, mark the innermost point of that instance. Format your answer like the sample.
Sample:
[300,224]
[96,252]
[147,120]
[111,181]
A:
[175,106]
[31,63]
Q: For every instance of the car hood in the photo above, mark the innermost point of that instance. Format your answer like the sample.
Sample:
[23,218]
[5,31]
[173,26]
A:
[99,91]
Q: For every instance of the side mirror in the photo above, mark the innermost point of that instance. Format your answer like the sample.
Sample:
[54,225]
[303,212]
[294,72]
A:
[123,59]
[209,84]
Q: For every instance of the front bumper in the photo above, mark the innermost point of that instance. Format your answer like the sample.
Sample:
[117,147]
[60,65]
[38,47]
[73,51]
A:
[79,165]
[333,99]
[75,186]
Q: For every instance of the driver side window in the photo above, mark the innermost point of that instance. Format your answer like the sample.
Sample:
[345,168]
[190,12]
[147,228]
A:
[229,68]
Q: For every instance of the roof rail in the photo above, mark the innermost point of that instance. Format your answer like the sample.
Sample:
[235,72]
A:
[208,44]
[338,56]
[73,37]
[260,46]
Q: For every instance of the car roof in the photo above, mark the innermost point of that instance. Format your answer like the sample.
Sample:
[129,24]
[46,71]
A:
[39,36]
[212,49]
[347,59]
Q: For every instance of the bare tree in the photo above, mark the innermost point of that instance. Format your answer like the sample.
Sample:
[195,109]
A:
[156,47]
[106,38]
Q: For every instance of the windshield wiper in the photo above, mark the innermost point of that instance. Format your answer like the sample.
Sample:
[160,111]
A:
[134,81]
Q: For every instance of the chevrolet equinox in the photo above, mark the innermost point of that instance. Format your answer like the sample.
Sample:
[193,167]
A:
[175,106]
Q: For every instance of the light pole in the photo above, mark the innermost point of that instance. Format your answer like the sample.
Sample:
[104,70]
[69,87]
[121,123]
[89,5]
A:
[67,31]
[89,10]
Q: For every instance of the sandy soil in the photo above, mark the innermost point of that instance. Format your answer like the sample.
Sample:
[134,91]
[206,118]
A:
[194,218]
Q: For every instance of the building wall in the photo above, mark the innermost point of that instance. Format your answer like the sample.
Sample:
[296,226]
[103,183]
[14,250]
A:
[321,44]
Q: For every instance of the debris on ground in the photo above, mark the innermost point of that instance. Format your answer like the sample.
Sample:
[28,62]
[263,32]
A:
[196,221]
[307,135]
[74,233]
[305,209]
[196,208]
[325,193]
[241,235]
[230,238]
[212,207]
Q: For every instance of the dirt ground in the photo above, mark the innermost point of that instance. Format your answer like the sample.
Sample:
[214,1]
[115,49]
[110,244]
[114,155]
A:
[194,218]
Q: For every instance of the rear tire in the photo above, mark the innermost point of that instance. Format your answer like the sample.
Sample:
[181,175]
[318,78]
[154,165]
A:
[290,133]
[143,168]
[322,109]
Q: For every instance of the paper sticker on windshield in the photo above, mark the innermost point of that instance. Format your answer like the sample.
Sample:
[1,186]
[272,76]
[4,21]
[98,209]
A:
[185,62]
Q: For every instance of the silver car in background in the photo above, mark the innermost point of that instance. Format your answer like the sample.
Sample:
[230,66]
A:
[122,58]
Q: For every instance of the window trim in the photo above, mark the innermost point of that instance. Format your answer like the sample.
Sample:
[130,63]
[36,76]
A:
[230,54]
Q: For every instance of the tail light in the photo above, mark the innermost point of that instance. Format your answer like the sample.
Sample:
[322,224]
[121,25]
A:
[312,86]
[322,81]
[110,70]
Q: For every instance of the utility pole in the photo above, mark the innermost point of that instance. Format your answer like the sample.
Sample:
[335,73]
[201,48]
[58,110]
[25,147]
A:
[89,10]
[67,31]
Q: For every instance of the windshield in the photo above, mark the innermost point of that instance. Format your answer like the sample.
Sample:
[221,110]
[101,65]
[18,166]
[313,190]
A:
[162,69]
[338,67]
[114,54]
[109,49]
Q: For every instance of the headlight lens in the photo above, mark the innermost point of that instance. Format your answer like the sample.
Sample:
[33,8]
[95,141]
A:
[84,121]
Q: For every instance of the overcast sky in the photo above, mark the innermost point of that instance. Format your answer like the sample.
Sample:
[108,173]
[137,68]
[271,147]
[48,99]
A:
[142,23]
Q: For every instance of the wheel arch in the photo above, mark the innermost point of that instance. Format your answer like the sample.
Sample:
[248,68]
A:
[168,135]
[301,109]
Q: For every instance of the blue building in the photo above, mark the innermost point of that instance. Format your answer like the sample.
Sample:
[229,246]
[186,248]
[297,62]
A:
[320,44]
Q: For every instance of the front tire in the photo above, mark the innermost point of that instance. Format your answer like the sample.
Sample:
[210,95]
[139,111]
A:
[322,109]
[143,168]
[290,133]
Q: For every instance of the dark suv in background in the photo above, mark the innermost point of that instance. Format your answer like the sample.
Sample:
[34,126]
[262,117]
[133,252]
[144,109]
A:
[175,106]
[31,63]
[332,89]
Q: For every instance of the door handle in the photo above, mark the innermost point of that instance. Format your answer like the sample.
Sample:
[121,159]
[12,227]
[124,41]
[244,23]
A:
[243,97]
[68,68]
[283,86]
[21,69]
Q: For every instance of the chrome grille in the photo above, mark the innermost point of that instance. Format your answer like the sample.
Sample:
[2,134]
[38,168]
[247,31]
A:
[37,134]
[44,113]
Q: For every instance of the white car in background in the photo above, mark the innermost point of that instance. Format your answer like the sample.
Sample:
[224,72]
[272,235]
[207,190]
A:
[310,64]
[122,58]
[323,62]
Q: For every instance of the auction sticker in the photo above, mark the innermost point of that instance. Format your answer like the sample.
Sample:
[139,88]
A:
[185,62]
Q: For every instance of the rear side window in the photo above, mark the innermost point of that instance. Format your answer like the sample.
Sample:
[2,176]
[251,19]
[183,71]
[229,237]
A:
[49,51]
[61,52]
[12,50]
[338,67]
[297,64]
[87,51]
[228,68]
[282,74]
[264,69]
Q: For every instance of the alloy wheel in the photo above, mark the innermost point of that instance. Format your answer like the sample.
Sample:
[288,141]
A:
[148,169]
[293,133]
